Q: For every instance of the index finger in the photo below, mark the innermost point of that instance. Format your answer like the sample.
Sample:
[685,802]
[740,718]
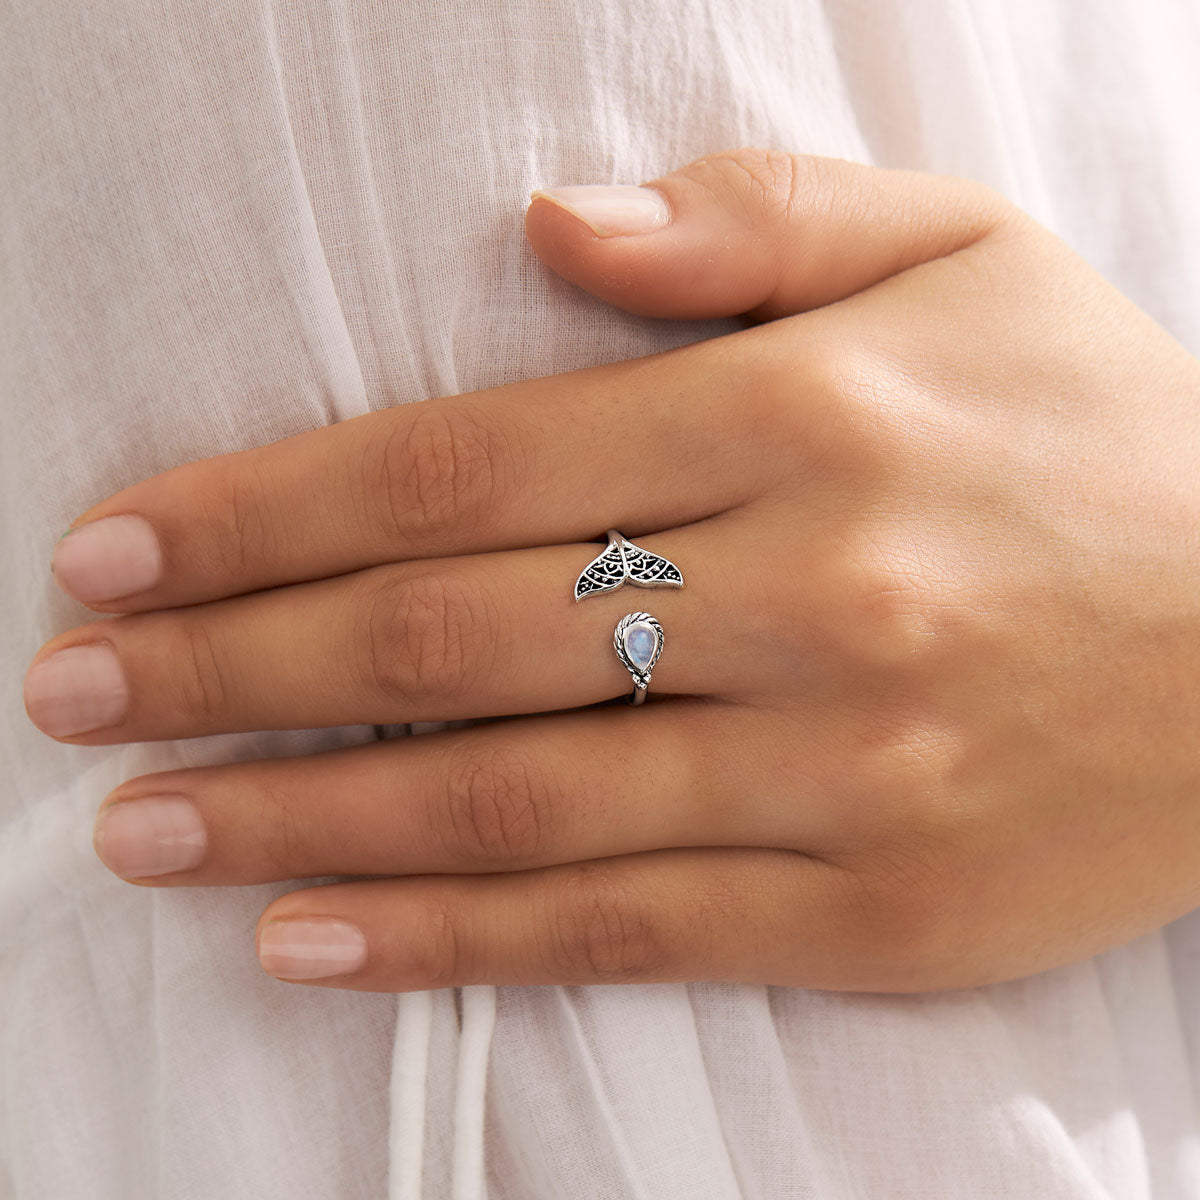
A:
[645,444]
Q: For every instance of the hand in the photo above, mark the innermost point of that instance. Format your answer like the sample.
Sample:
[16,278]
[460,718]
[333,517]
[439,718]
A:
[926,714]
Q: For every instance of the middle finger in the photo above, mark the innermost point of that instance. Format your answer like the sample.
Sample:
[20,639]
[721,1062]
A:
[429,640]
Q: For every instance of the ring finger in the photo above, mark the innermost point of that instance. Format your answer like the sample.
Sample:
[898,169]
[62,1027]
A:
[508,796]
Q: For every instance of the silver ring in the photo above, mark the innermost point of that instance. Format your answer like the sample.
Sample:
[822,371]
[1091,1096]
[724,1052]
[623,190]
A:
[638,641]
[623,562]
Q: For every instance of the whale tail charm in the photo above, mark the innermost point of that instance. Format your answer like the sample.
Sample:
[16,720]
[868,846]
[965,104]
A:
[623,562]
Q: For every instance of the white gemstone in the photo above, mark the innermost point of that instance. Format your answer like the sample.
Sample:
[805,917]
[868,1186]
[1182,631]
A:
[640,640]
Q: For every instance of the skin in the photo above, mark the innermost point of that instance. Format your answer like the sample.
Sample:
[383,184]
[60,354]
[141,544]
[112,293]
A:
[926,715]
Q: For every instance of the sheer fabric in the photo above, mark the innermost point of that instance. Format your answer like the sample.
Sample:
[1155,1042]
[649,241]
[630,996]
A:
[227,222]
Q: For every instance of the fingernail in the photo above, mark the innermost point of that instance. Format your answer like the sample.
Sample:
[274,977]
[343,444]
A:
[307,948]
[76,691]
[107,559]
[152,835]
[614,210]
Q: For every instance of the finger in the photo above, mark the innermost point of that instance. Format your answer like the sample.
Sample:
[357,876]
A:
[652,443]
[648,444]
[509,796]
[757,916]
[755,231]
[472,636]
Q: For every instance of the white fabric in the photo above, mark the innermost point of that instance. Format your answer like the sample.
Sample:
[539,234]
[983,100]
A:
[226,222]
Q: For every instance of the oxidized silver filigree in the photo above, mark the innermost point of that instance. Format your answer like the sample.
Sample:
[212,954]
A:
[623,562]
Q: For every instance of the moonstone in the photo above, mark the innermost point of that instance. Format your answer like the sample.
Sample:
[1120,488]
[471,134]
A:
[639,639]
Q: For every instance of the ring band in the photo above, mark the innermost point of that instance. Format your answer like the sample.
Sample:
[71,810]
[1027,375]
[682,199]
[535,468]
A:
[623,562]
[638,641]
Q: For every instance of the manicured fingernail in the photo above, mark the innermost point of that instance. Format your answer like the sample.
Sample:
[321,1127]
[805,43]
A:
[76,691]
[614,210]
[152,835]
[107,559]
[311,948]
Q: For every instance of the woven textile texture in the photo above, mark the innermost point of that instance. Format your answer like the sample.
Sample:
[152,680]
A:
[226,222]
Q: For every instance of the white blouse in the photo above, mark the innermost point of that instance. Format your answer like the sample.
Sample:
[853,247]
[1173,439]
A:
[226,222]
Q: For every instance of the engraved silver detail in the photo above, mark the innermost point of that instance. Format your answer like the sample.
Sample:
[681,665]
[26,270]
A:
[623,562]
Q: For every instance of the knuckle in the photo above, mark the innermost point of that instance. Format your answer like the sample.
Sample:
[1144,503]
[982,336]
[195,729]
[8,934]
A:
[908,764]
[899,908]
[496,806]
[812,397]
[984,206]
[237,515]
[903,788]
[860,422]
[774,407]
[436,472]
[205,680]
[277,836]
[767,182]
[603,929]
[908,870]
[427,635]
[878,603]
[887,603]
[439,957]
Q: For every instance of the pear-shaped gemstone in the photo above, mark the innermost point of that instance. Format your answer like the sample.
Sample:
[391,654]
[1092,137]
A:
[640,641]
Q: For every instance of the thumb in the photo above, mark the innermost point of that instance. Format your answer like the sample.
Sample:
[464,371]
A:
[755,231]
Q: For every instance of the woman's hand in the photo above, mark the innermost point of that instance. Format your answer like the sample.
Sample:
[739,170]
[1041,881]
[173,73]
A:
[927,710]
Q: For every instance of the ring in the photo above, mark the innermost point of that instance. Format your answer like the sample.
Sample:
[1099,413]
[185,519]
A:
[638,641]
[623,562]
